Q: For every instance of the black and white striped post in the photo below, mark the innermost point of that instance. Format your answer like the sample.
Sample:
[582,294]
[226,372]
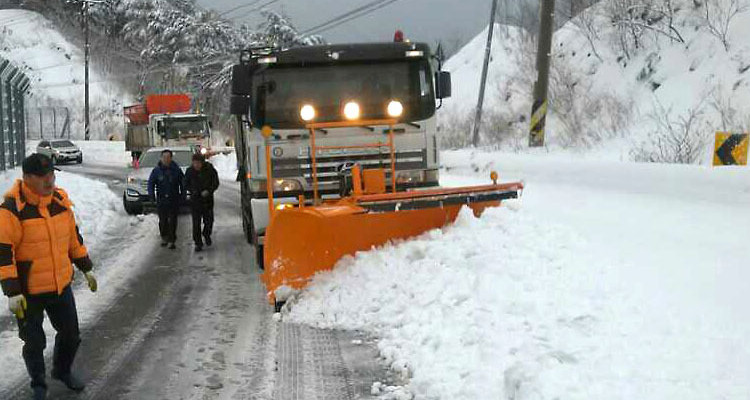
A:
[541,86]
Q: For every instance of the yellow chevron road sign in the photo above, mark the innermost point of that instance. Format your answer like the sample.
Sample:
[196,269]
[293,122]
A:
[731,148]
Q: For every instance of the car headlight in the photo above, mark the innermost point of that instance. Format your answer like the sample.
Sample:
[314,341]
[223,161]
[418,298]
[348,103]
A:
[132,193]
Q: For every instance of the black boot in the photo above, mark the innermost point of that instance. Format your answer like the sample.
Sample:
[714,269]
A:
[172,246]
[207,238]
[198,247]
[39,392]
[70,381]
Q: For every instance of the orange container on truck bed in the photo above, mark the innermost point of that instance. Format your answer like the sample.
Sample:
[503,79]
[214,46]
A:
[168,103]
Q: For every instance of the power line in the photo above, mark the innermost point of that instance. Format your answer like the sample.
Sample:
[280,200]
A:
[344,15]
[233,9]
[337,21]
[260,7]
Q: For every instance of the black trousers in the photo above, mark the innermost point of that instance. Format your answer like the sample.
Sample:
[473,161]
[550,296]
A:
[204,213]
[168,223]
[64,317]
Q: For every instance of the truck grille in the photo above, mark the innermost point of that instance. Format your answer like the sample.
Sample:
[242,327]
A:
[329,164]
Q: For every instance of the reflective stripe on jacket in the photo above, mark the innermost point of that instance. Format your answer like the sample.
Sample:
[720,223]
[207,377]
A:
[39,240]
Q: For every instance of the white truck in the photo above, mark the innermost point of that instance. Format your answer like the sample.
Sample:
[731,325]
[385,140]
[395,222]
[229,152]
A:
[285,89]
[165,120]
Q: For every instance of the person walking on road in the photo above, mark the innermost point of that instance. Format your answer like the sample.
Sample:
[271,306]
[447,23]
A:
[201,181]
[39,243]
[165,187]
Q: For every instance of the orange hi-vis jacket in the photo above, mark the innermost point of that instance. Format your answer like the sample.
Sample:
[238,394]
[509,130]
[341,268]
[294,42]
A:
[38,241]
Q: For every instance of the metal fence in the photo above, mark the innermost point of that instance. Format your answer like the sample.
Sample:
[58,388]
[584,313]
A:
[13,86]
[47,123]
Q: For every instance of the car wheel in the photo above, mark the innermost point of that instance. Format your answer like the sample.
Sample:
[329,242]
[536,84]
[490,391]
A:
[131,208]
[79,160]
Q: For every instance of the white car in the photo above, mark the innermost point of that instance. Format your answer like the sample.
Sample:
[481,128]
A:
[136,196]
[60,151]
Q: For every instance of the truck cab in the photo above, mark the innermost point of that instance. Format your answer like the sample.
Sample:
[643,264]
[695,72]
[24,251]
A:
[284,90]
[165,120]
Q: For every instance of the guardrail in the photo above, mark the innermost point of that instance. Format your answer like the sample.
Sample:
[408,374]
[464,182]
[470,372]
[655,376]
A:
[13,86]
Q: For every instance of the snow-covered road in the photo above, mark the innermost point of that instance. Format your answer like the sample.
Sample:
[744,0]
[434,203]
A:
[185,325]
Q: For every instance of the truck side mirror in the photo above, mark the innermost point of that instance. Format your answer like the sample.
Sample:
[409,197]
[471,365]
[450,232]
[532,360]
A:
[160,129]
[210,124]
[442,84]
[242,83]
[239,104]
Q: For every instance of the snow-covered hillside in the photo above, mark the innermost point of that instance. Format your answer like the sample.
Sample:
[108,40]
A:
[618,83]
[56,69]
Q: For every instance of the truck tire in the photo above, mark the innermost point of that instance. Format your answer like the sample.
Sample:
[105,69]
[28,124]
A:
[130,207]
[248,228]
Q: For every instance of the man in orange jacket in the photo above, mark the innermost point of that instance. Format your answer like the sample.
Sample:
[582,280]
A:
[39,242]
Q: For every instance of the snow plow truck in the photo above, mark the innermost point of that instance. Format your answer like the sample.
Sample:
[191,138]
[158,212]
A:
[337,152]
[165,120]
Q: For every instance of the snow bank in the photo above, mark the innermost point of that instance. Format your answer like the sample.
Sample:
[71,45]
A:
[609,280]
[457,307]
[226,166]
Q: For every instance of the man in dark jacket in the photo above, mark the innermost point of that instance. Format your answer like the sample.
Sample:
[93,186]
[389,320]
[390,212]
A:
[201,181]
[165,187]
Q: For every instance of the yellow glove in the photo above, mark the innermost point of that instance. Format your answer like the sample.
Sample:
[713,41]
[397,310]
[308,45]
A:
[17,305]
[91,280]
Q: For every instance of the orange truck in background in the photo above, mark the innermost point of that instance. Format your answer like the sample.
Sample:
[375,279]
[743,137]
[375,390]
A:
[165,120]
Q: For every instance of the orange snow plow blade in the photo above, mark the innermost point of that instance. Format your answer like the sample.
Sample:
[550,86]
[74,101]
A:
[307,239]
[303,241]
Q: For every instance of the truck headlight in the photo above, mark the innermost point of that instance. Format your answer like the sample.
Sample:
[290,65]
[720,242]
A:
[279,185]
[351,110]
[395,108]
[286,185]
[409,176]
[307,112]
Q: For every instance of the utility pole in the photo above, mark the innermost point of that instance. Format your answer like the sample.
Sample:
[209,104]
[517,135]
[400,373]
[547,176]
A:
[86,126]
[86,50]
[541,86]
[487,53]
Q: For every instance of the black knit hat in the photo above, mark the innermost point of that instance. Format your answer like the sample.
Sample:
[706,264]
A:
[38,164]
[199,157]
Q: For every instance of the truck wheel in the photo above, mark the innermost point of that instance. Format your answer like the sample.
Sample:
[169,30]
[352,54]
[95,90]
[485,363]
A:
[130,207]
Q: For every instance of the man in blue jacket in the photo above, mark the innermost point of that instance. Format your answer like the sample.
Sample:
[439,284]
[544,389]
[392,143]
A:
[165,187]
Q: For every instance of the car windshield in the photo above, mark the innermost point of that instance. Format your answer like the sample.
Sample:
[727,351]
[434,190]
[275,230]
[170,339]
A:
[150,159]
[63,143]
[176,128]
[281,91]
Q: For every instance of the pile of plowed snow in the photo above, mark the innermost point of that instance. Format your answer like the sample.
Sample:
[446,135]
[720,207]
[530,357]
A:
[607,280]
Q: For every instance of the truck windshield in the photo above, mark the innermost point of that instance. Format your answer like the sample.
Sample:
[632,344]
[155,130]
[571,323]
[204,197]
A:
[280,91]
[177,128]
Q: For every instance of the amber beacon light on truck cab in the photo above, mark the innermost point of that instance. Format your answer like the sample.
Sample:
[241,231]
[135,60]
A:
[286,90]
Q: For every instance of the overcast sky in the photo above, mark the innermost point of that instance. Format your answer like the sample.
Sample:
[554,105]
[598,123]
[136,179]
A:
[453,21]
